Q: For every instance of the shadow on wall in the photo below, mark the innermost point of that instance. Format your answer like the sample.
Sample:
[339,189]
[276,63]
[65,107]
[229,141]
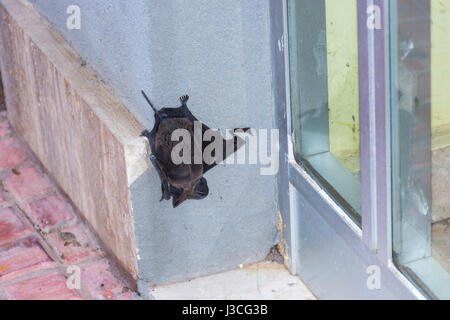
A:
[2,96]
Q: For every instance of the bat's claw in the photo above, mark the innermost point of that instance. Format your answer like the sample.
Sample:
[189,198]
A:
[145,133]
[184,99]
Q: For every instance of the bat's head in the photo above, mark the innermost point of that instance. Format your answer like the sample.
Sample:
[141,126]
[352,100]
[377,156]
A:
[201,189]
[198,190]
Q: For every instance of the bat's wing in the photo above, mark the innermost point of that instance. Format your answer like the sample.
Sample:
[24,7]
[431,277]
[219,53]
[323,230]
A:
[168,190]
[179,112]
[234,144]
[150,135]
[178,196]
[157,164]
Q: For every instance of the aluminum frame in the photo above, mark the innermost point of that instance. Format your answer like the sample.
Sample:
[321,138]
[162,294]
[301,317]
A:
[325,247]
[412,147]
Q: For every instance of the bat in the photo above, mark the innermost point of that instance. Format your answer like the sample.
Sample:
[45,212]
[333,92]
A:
[182,181]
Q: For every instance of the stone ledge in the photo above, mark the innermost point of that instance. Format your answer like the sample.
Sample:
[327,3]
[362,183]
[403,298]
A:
[84,136]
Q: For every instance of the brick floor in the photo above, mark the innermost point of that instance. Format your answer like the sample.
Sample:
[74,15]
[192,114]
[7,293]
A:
[11,154]
[73,244]
[27,183]
[99,280]
[42,240]
[47,287]
[12,225]
[50,211]
[22,255]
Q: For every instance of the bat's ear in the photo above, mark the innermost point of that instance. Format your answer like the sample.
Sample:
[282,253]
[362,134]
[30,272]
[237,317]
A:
[178,197]
[201,189]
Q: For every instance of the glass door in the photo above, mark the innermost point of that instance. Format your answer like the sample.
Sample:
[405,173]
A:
[331,87]
[323,51]
[420,91]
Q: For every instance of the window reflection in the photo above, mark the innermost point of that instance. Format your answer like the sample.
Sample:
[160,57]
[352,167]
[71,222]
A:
[323,49]
[420,51]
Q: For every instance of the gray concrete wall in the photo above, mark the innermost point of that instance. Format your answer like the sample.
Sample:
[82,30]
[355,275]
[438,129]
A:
[219,53]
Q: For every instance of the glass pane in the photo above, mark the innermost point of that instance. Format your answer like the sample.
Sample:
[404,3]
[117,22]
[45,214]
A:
[420,55]
[323,49]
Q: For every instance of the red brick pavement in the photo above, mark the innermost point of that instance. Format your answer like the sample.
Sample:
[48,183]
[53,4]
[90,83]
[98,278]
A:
[46,251]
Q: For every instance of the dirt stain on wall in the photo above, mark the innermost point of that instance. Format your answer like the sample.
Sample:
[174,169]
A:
[2,96]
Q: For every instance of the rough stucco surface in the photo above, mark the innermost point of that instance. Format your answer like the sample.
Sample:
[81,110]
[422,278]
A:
[218,52]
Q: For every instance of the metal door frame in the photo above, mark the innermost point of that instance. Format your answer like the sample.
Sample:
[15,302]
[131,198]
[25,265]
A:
[322,244]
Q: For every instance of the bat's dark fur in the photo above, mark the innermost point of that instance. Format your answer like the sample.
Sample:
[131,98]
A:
[180,181]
